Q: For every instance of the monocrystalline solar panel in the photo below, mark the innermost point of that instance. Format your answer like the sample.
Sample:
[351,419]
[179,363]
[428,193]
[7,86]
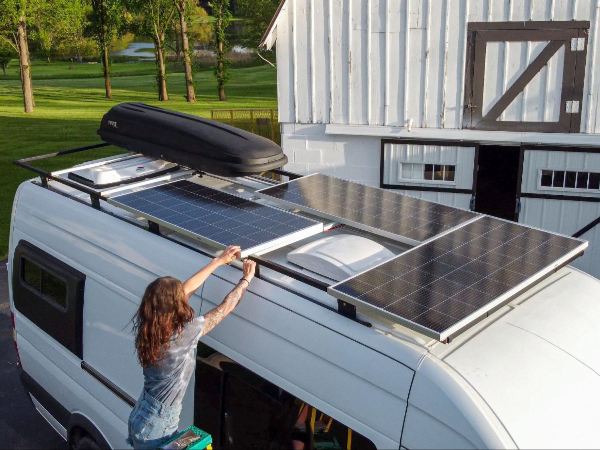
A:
[439,287]
[216,217]
[372,209]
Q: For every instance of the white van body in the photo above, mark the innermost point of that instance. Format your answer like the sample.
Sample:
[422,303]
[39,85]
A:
[526,376]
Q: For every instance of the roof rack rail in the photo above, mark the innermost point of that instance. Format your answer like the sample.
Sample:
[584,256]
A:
[345,309]
[95,196]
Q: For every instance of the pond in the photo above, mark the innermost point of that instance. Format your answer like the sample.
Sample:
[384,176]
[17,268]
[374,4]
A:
[142,50]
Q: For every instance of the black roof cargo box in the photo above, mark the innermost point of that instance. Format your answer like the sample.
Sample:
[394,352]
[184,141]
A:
[189,140]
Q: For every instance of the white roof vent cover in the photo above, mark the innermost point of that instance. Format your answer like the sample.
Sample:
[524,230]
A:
[121,171]
[339,256]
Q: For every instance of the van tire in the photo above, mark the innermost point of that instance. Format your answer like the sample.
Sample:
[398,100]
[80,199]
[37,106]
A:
[85,442]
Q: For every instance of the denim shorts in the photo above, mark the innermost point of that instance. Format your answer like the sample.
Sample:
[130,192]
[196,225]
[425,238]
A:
[152,424]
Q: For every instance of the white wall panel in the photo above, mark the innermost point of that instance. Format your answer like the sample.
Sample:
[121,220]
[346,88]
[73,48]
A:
[383,62]
[461,157]
[339,26]
[320,63]
[567,217]
[377,61]
[285,67]
[536,160]
[303,60]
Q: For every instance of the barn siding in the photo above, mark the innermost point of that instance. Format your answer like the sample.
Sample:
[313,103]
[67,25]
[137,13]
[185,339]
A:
[461,157]
[536,160]
[567,217]
[388,62]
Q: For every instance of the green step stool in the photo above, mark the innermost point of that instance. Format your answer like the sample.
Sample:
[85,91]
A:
[192,438]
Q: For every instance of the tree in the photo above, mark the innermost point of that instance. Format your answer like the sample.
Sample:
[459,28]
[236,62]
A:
[75,42]
[257,15]
[222,18]
[14,17]
[183,11]
[107,19]
[155,19]
[7,52]
[54,26]
[199,26]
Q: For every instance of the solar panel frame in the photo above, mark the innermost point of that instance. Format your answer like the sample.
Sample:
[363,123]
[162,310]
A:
[357,224]
[314,228]
[479,313]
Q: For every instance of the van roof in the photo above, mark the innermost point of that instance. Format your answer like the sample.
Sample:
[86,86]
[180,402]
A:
[536,362]
[275,262]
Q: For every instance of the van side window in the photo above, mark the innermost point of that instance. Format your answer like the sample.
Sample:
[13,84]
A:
[254,413]
[50,294]
[45,283]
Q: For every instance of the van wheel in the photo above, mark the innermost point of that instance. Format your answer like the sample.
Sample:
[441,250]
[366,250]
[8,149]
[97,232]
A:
[85,443]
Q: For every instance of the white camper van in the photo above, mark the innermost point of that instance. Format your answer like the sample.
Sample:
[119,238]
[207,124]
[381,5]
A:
[329,347]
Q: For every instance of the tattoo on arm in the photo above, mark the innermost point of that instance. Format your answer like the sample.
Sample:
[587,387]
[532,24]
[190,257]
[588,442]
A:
[213,317]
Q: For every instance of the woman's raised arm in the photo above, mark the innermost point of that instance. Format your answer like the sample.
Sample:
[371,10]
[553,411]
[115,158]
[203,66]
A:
[229,255]
[213,317]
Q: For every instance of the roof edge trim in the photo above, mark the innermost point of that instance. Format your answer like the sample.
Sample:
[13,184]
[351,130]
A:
[269,36]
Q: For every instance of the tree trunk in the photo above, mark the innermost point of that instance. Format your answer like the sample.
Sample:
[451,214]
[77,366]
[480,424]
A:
[177,43]
[161,78]
[106,70]
[187,60]
[25,66]
[221,74]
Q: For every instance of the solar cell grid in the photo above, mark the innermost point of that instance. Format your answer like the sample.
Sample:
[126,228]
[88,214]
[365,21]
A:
[377,210]
[215,216]
[457,275]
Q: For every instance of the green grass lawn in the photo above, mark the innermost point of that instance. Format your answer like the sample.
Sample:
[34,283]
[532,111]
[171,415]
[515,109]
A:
[70,102]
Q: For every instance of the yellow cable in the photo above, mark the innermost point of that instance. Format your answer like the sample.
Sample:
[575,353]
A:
[313,419]
[328,427]
[302,405]
[349,440]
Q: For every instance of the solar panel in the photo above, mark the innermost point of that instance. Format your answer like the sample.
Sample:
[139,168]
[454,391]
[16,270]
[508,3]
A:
[386,213]
[439,287]
[218,218]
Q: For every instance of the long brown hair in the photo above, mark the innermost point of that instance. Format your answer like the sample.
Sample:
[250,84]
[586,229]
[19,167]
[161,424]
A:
[163,312]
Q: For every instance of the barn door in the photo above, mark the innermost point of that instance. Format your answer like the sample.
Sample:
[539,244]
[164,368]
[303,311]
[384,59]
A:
[525,76]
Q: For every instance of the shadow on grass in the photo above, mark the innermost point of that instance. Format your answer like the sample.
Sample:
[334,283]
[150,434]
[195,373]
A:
[23,137]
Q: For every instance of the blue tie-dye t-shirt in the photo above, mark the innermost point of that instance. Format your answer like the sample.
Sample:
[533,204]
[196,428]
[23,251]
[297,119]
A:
[167,380]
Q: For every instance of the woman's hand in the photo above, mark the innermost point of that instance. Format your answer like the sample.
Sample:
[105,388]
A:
[229,255]
[249,269]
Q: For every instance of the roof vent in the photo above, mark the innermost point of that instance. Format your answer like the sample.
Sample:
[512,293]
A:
[126,170]
[339,256]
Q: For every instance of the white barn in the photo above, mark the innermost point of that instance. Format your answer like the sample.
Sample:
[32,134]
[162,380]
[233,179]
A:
[491,105]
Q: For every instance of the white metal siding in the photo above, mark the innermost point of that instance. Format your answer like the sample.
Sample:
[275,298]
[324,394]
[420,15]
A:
[536,160]
[562,216]
[461,157]
[567,217]
[388,62]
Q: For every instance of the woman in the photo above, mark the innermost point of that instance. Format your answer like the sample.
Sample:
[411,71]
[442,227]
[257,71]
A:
[167,332]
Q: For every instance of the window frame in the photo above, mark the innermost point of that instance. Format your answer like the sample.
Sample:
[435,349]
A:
[479,34]
[563,188]
[64,325]
[418,181]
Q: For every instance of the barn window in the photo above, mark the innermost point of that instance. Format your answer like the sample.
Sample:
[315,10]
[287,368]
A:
[427,172]
[569,179]
[525,76]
